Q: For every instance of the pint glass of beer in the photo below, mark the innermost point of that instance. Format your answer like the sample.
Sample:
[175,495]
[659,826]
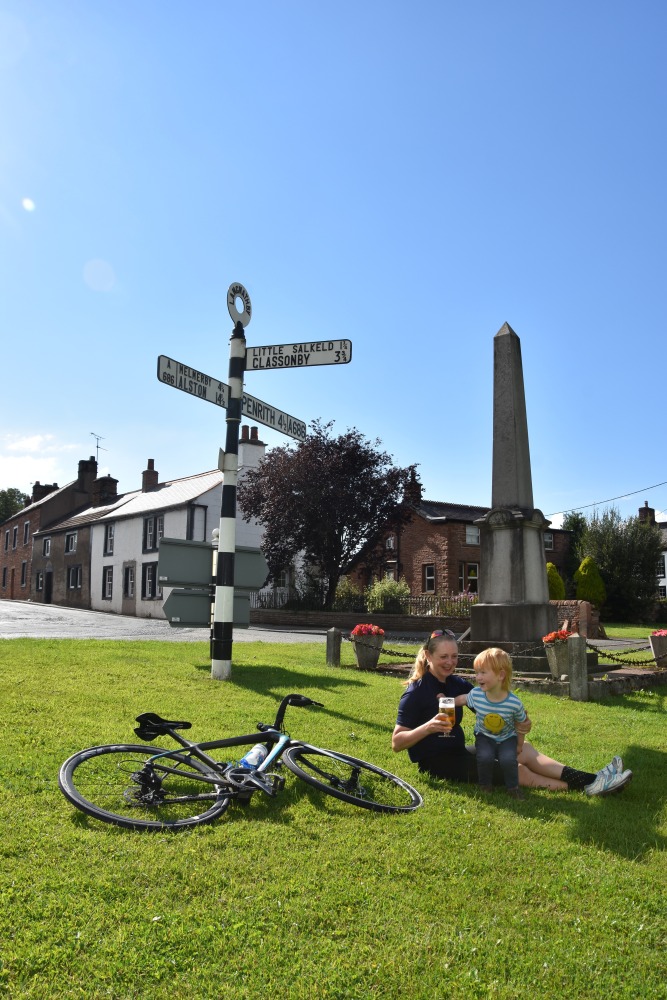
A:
[446,706]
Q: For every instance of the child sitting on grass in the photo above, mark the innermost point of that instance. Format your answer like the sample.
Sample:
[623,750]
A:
[497,711]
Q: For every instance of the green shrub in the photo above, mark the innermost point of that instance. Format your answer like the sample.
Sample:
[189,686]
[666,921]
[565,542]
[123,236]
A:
[387,595]
[556,584]
[590,585]
[348,597]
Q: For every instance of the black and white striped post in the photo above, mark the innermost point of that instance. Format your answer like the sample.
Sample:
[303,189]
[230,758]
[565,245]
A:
[223,605]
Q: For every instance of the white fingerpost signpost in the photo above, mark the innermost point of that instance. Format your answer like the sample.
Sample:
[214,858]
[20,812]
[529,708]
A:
[238,404]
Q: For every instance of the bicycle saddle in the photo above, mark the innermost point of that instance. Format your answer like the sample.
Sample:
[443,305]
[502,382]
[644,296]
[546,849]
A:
[151,726]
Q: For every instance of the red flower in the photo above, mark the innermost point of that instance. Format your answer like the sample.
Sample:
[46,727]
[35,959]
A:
[560,636]
[367,630]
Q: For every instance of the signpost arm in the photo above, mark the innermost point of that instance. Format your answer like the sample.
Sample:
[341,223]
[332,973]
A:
[223,607]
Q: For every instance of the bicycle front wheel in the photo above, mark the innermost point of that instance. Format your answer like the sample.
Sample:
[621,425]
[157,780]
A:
[134,787]
[352,780]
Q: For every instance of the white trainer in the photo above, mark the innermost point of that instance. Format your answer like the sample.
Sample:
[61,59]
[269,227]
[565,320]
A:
[608,782]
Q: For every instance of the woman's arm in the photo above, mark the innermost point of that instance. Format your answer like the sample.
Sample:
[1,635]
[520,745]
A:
[402,738]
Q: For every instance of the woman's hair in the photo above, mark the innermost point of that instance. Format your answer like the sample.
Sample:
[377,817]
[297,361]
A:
[420,666]
[497,660]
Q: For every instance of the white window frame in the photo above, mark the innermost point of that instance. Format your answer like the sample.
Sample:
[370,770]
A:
[549,541]
[107,583]
[428,578]
[15,536]
[24,573]
[46,546]
[74,577]
[128,581]
[26,532]
[472,534]
[109,536]
[70,542]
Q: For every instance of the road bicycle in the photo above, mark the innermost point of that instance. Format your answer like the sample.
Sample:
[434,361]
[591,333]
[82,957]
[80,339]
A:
[150,788]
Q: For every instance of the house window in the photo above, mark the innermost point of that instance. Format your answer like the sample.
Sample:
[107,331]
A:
[107,583]
[469,578]
[70,541]
[26,532]
[282,578]
[150,591]
[428,578]
[74,578]
[390,542]
[661,567]
[472,534]
[109,532]
[128,582]
[46,547]
[662,591]
[24,573]
[153,532]
[15,535]
[548,539]
[390,573]
[7,540]
[4,576]
[39,582]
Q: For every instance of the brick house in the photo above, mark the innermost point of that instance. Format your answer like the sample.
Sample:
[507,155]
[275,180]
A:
[48,503]
[438,551]
[647,513]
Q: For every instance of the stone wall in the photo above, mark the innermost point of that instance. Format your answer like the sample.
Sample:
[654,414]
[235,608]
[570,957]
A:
[417,625]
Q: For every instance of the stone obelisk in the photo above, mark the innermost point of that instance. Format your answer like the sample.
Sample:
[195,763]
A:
[513,594]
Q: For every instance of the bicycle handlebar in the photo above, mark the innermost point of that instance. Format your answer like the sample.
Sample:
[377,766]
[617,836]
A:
[300,700]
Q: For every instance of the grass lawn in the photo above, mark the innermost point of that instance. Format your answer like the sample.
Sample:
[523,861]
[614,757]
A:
[303,896]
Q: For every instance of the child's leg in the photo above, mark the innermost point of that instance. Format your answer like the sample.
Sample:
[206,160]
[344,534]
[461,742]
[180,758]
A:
[508,762]
[486,755]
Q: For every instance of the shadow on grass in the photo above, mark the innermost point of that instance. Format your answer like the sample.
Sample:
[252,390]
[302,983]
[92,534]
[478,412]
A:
[627,823]
[279,681]
[261,808]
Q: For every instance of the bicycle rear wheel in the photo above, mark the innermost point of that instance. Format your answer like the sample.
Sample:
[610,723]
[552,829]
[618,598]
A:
[352,780]
[128,786]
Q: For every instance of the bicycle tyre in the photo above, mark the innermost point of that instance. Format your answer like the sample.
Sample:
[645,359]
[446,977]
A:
[339,775]
[99,782]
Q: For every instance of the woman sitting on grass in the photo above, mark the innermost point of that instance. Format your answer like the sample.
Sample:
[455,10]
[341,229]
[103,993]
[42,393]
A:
[419,729]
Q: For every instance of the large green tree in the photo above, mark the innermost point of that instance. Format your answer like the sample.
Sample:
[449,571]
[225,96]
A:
[325,498]
[11,501]
[626,552]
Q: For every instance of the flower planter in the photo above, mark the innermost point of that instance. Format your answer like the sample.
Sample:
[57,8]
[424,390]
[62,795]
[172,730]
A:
[367,649]
[558,658]
[659,649]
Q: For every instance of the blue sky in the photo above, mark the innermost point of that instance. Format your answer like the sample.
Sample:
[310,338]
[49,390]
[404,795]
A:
[409,176]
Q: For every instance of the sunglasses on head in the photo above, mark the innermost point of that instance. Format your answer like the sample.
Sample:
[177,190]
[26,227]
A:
[442,631]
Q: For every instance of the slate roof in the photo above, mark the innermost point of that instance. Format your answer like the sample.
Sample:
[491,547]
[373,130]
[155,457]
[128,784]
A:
[433,510]
[176,493]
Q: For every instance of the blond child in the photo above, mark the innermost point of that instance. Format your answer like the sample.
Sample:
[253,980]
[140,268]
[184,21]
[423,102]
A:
[497,710]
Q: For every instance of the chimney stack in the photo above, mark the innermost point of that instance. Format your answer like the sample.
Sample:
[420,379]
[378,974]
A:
[149,477]
[647,513]
[39,491]
[105,490]
[413,490]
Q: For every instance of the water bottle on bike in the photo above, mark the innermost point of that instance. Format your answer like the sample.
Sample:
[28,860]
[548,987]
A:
[254,757]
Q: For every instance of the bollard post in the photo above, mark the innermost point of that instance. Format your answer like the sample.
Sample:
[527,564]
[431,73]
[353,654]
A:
[576,647]
[333,647]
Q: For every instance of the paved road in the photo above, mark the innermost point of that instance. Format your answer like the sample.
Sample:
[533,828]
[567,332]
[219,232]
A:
[22,619]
